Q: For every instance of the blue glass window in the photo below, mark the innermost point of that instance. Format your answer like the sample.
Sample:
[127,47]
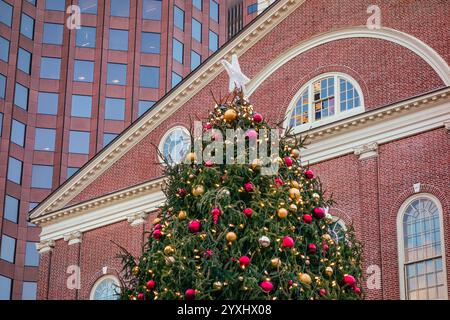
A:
[79,142]
[47,103]
[8,249]
[14,170]
[83,71]
[150,42]
[24,61]
[176,78]
[41,176]
[214,10]
[118,39]
[6,13]
[33,2]
[27,26]
[178,18]
[29,290]
[21,96]
[108,137]
[2,86]
[4,49]
[213,41]
[117,74]
[196,30]
[120,8]
[144,106]
[71,171]
[149,77]
[5,284]
[151,10]
[50,68]
[57,5]
[114,109]
[44,139]
[18,133]
[196,60]
[252,8]
[197,4]
[53,33]
[1,124]
[31,255]
[88,6]
[85,37]
[178,50]
[11,211]
[81,106]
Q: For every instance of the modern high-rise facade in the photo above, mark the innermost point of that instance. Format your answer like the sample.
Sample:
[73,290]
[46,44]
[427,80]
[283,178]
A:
[70,83]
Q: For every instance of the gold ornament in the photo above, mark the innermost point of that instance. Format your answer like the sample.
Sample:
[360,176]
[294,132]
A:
[198,190]
[217,285]
[156,220]
[294,193]
[275,262]
[170,260]
[190,157]
[316,196]
[230,115]
[256,164]
[293,208]
[329,271]
[135,271]
[295,153]
[294,184]
[182,215]
[231,236]
[169,250]
[305,278]
[282,213]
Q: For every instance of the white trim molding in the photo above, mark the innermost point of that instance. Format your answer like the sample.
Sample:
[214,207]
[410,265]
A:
[45,246]
[137,218]
[428,54]
[73,237]
[366,151]
[447,125]
[400,242]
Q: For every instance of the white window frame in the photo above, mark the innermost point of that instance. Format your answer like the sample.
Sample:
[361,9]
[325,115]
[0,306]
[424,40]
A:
[338,115]
[99,281]
[163,140]
[400,240]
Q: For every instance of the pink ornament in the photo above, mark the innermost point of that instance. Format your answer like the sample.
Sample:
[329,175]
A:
[216,136]
[194,226]
[248,212]
[140,296]
[288,161]
[156,226]
[209,163]
[288,242]
[251,134]
[357,290]
[322,292]
[215,212]
[189,294]
[249,187]
[312,248]
[244,261]
[157,234]
[319,213]
[349,280]
[151,284]
[208,253]
[266,286]
[257,118]
[307,218]
[279,182]
[309,174]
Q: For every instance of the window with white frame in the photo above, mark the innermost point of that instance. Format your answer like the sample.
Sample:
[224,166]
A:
[106,288]
[175,144]
[337,230]
[422,264]
[326,98]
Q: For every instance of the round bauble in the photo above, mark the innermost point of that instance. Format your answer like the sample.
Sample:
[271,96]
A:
[256,164]
[288,242]
[248,212]
[275,262]
[230,115]
[182,215]
[209,163]
[319,213]
[135,271]
[170,260]
[294,184]
[316,196]
[307,218]
[357,290]
[349,280]
[322,292]
[288,161]
[282,213]
[295,153]
[305,278]
[266,286]
[168,250]
[194,226]
[198,190]
[217,285]
[189,294]
[251,134]
[312,248]
[140,296]
[293,208]
[231,236]
[157,234]
[309,174]
[257,118]
[329,271]
[151,285]
[249,187]
[294,193]
[156,221]
[181,192]
[244,261]
[190,157]
[264,241]
[207,126]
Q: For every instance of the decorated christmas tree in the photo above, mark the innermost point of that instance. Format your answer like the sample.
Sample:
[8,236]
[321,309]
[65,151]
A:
[241,224]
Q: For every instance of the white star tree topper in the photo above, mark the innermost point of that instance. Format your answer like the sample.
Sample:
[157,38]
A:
[238,80]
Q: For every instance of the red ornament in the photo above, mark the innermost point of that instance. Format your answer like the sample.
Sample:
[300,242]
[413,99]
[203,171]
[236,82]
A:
[251,134]
[207,126]
[279,182]
[307,218]
[216,213]
[291,282]
[349,280]
[189,294]
[312,248]
[319,213]
[257,118]
[209,163]
[357,290]
[325,247]
[322,292]
[151,284]
[157,234]
[181,192]
[140,296]
[288,242]
[248,212]
[208,253]
[309,174]
[249,187]
[194,226]
[244,261]
[288,161]
[267,286]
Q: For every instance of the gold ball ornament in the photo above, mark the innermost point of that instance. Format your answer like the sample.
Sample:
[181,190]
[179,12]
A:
[231,236]
[198,190]
[169,250]
[217,285]
[293,208]
[282,213]
[230,115]
[135,270]
[294,184]
[316,196]
[170,260]
[294,193]
[295,153]
[190,157]
[256,164]
[329,271]
[305,278]
[182,215]
[275,262]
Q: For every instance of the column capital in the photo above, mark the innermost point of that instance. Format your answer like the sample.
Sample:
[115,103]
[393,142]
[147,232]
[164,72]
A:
[73,237]
[447,125]
[45,246]
[137,218]
[367,150]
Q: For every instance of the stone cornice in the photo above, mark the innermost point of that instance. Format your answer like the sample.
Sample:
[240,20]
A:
[368,150]
[45,246]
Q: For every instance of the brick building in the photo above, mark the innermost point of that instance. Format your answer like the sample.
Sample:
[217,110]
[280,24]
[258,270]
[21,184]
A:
[66,93]
[374,101]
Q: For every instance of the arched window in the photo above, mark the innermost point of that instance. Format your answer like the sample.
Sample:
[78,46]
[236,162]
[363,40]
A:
[106,288]
[420,243]
[175,144]
[337,229]
[324,99]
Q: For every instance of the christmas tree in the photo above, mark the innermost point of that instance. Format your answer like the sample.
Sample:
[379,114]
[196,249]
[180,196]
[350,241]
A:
[232,231]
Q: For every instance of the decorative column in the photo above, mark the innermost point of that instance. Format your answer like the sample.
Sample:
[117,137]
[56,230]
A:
[137,222]
[370,218]
[45,249]
[74,280]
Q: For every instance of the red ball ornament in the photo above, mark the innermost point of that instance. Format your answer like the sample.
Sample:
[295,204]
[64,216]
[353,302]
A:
[290,282]
[249,187]
[266,286]
[279,182]
[151,284]
[209,163]
[288,242]
[244,261]
[349,280]
[215,212]
[257,118]
[319,213]
[325,247]
[322,292]
[181,192]
[208,253]
[207,126]
[309,174]
[357,290]
[157,227]
[189,294]
[194,226]
[248,212]
[140,296]
[157,234]
[312,248]
[288,161]
[251,134]
[307,218]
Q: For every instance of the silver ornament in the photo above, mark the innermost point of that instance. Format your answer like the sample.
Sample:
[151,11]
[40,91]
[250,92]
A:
[264,241]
